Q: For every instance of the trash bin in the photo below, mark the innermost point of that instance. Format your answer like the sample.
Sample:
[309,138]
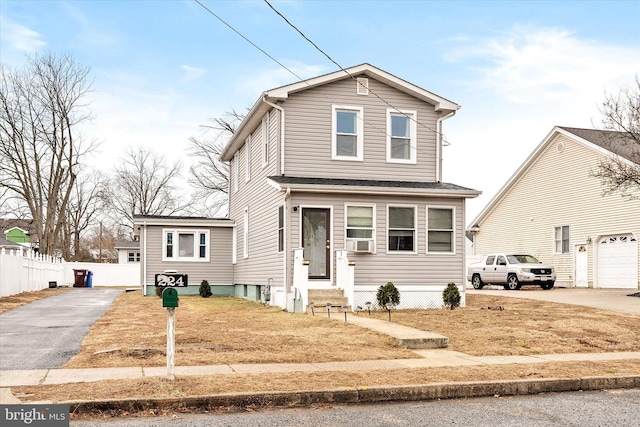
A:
[89,280]
[80,277]
[53,284]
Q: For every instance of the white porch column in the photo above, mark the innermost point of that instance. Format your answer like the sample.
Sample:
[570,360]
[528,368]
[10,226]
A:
[345,273]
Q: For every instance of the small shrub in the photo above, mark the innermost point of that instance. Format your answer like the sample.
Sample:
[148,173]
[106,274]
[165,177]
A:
[205,289]
[451,296]
[159,290]
[388,293]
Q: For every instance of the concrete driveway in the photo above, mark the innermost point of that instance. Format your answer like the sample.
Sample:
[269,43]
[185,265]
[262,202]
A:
[605,299]
[47,333]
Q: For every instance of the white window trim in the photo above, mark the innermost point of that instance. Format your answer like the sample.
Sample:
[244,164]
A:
[415,230]
[245,233]
[453,223]
[373,233]
[247,145]
[196,245]
[236,174]
[359,137]
[265,141]
[413,139]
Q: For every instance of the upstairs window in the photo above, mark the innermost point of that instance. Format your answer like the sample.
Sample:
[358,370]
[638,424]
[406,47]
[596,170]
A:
[440,231]
[347,133]
[247,144]
[186,245]
[401,228]
[235,166]
[561,240]
[401,136]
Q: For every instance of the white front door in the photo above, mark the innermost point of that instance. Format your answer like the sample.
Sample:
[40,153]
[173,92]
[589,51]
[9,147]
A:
[581,266]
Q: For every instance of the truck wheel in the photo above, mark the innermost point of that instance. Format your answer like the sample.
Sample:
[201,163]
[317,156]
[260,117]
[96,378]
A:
[547,286]
[477,282]
[512,283]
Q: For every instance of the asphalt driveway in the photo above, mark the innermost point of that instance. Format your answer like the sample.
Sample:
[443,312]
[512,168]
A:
[48,332]
[605,299]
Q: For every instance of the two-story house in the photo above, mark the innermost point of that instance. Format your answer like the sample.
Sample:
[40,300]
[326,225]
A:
[335,183]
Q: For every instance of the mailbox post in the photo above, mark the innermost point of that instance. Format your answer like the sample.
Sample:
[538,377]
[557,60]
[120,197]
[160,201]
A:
[170,301]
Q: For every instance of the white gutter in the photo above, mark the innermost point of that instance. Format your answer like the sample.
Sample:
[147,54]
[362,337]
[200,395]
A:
[439,145]
[277,107]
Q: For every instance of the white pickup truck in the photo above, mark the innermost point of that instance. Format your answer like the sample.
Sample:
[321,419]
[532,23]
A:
[512,271]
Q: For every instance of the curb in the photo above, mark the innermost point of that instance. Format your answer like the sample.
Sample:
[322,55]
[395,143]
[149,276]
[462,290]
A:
[360,395]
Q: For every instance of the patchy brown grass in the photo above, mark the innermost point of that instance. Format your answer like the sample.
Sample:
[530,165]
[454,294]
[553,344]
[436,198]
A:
[157,387]
[15,301]
[525,327]
[224,330]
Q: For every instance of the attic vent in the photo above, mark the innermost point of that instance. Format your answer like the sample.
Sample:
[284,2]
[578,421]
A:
[560,147]
[362,86]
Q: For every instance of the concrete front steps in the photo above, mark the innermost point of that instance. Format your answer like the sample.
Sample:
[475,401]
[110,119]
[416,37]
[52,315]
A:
[321,297]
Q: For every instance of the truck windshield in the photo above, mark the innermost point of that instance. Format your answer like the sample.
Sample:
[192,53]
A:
[522,259]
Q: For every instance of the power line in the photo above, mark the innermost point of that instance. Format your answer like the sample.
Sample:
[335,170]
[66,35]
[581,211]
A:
[345,71]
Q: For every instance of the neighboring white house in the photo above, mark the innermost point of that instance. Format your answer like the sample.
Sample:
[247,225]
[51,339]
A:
[554,208]
[128,252]
[335,184]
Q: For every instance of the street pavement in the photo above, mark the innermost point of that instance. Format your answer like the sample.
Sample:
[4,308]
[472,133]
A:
[47,333]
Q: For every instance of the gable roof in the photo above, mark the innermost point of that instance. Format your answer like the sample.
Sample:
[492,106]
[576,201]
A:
[254,116]
[606,143]
[123,244]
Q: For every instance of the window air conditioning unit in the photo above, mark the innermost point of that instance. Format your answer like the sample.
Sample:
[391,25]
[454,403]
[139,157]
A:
[360,245]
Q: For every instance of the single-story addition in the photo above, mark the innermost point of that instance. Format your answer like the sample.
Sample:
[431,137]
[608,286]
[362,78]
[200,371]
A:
[335,189]
[128,252]
[554,208]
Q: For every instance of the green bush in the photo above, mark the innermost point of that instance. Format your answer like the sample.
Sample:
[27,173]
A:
[205,289]
[451,296]
[388,293]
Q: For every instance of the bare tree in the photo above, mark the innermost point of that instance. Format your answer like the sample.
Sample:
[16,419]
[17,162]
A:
[85,204]
[208,174]
[621,113]
[144,184]
[41,109]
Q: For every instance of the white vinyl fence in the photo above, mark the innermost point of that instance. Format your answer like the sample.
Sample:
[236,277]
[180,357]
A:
[31,272]
[105,274]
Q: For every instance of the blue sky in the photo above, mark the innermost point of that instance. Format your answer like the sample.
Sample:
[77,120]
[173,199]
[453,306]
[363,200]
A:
[162,68]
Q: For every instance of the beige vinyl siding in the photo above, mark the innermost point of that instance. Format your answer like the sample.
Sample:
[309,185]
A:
[218,271]
[379,268]
[308,134]
[557,190]
[262,201]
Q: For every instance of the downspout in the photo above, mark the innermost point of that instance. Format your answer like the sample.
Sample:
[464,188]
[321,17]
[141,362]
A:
[285,261]
[144,268]
[439,145]
[277,107]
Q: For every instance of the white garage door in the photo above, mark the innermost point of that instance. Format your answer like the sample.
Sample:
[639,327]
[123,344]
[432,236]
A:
[618,262]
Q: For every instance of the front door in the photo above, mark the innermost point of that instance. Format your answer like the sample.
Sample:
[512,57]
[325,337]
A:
[581,263]
[316,241]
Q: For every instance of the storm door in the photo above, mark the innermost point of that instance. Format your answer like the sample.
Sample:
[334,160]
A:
[316,241]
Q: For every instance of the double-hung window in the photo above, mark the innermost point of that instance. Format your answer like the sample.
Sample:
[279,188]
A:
[401,228]
[247,145]
[133,256]
[347,133]
[235,166]
[360,227]
[186,245]
[561,239]
[281,228]
[440,231]
[401,136]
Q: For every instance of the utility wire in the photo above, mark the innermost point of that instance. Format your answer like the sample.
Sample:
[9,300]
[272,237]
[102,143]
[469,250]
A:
[345,71]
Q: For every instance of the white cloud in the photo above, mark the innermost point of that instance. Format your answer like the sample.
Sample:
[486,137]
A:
[192,73]
[539,65]
[274,77]
[20,37]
